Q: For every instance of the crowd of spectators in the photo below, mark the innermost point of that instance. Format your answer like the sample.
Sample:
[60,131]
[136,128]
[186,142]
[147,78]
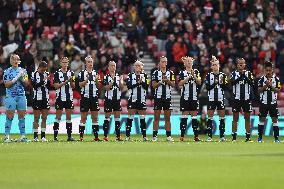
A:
[117,30]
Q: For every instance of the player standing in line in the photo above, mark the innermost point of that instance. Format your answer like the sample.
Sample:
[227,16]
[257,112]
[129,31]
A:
[189,80]
[89,82]
[242,82]
[15,80]
[162,80]
[64,85]
[216,82]
[41,106]
[113,83]
[268,87]
[137,84]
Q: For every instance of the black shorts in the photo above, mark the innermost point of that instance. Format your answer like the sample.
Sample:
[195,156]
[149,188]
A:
[87,104]
[41,104]
[213,105]
[137,105]
[112,105]
[239,105]
[60,105]
[189,105]
[162,104]
[272,109]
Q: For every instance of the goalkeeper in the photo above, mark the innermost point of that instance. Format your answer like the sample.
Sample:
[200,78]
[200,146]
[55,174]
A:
[15,80]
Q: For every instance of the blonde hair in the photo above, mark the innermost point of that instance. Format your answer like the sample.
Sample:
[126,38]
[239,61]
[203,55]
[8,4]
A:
[88,58]
[13,56]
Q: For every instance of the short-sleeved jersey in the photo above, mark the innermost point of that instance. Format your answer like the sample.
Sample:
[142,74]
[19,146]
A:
[269,96]
[18,88]
[164,90]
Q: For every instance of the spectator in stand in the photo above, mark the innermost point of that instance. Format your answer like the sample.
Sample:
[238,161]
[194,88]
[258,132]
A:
[45,46]
[162,32]
[161,12]
[179,50]
[77,65]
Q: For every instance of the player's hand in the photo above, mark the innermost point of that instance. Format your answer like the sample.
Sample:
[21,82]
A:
[121,78]
[165,78]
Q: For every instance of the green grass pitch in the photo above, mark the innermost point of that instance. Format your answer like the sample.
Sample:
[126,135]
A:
[135,165]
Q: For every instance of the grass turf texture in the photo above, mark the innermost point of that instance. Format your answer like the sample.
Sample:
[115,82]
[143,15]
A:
[141,164]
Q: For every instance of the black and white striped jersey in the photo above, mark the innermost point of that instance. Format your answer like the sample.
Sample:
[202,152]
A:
[269,96]
[242,84]
[215,85]
[189,90]
[40,85]
[90,89]
[164,90]
[137,91]
[114,93]
[65,92]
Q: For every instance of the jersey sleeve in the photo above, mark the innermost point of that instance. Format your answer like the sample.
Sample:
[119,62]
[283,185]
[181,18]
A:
[207,83]
[155,76]
[56,77]
[181,76]
[260,82]
[172,75]
[105,81]
[145,83]
[5,76]
[81,76]
[278,83]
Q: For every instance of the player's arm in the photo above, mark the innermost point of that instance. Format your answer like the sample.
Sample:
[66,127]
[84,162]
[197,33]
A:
[182,79]
[35,82]
[261,87]
[278,86]
[145,83]
[129,84]
[82,82]
[10,83]
[171,81]
[106,84]
[155,82]
[121,82]
[234,81]
[72,80]
[196,77]
[224,84]
[249,78]
[57,83]
[207,83]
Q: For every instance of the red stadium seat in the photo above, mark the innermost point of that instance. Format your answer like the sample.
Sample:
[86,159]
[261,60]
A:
[281,96]
[281,103]
[52,101]
[52,94]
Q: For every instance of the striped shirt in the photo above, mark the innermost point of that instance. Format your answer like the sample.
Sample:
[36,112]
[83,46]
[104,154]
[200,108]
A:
[90,89]
[215,85]
[189,89]
[65,92]
[164,90]
[137,91]
[269,96]
[40,85]
[114,93]
[242,85]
